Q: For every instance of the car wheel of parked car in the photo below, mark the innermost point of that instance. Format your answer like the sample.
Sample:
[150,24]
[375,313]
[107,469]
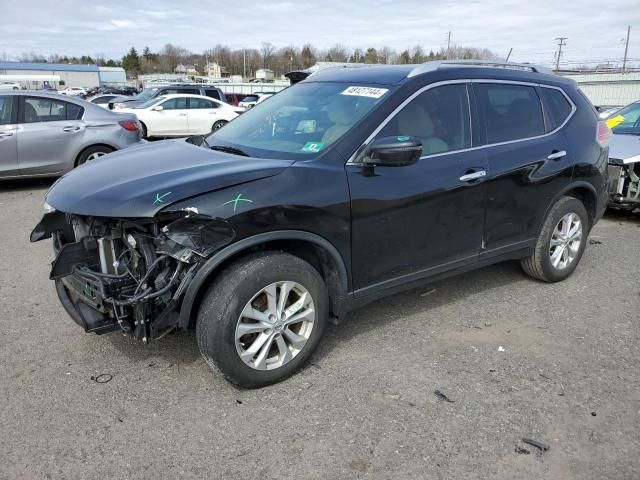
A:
[92,153]
[144,130]
[262,318]
[218,125]
[561,242]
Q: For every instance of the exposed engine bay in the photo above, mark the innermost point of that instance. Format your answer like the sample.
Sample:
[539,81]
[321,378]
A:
[624,184]
[128,274]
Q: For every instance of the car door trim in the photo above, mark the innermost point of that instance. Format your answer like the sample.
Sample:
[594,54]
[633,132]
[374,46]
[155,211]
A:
[352,159]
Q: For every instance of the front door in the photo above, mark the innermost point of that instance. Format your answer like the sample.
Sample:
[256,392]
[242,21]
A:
[412,221]
[172,119]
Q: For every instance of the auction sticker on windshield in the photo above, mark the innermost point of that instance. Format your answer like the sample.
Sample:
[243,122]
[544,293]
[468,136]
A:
[370,92]
[312,147]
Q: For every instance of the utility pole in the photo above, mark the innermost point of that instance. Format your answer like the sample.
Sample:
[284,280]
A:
[561,43]
[244,65]
[508,56]
[449,45]
[626,49]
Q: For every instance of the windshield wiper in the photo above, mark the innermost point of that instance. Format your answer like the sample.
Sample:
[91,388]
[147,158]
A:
[232,150]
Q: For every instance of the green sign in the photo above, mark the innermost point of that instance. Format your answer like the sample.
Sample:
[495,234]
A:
[312,147]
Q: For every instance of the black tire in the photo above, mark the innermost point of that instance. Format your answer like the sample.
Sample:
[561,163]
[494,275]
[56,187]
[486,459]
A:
[218,125]
[225,300]
[86,155]
[539,264]
[144,130]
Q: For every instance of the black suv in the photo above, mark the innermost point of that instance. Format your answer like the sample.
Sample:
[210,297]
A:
[351,185]
[153,92]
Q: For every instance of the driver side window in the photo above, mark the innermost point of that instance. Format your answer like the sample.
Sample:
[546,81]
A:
[438,117]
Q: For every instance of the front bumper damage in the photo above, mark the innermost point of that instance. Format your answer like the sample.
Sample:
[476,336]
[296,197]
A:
[624,184]
[129,274]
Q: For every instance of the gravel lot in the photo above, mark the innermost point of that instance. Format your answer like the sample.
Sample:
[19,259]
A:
[557,363]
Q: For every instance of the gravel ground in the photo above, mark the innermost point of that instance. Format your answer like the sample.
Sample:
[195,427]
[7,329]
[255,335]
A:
[517,358]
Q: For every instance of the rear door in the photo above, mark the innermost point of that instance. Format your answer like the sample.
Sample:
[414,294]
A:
[8,136]
[172,119]
[202,115]
[529,161]
[50,135]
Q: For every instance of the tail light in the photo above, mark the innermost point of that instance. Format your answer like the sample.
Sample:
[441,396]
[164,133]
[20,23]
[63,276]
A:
[604,134]
[129,125]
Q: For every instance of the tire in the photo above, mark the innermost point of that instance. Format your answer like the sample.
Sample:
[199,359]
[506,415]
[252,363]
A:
[144,130]
[543,264]
[92,153]
[243,283]
[218,125]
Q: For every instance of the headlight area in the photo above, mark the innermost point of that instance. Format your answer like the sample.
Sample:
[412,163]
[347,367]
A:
[129,275]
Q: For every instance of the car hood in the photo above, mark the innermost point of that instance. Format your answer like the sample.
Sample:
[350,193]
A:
[142,180]
[625,148]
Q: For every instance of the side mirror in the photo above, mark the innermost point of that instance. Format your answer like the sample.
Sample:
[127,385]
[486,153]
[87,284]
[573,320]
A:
[157,108]
[397,151]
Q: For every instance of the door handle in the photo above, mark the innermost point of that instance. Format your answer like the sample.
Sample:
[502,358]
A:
[468,177]
[557,155]
[71,129]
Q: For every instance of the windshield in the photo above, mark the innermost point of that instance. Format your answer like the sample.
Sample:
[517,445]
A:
[151,102]
[300,121]
[146,94]
[626,120]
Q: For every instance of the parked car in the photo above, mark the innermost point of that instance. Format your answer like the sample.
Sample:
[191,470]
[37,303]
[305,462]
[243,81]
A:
[605,112]
[253,99]
[104,100]
[48,134]
[624,158]
[10,86]
[347,187]
[73,91]
[234,98]
[153,92]
[181,115]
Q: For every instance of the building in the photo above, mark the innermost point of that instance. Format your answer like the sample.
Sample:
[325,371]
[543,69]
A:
[213,70]
[608,89]
[30,75]
[112,76]
[190,70]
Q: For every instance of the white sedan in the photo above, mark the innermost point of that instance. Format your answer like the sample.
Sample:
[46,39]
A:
[73,91]
[180,115]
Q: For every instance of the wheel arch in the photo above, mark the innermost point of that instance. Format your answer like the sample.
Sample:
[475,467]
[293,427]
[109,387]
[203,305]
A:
[316,250]
[93,145]
[583,191]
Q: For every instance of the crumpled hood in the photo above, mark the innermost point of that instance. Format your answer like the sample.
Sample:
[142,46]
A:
[625,148]
[141,180]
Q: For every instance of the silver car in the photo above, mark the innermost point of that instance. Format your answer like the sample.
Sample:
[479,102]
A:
[47,134]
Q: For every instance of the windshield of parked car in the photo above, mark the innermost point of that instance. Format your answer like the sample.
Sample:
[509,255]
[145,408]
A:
[150,103]
[626,120]
[146,94]
[250,98]
[300,121]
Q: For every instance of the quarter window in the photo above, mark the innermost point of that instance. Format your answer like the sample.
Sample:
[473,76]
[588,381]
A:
[439,117]
[49,110]
[6,108]
[557,107]
[511,112]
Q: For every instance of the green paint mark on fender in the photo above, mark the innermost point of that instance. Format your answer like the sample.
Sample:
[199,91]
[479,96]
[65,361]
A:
[159,198]
[236,200]
[402,138]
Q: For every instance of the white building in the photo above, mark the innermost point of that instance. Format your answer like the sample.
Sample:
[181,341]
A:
[213,70]
[70,75]
[608,89]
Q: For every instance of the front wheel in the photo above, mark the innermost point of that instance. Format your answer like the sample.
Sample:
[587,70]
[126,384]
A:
[92,153]
[561,242]
[262,318]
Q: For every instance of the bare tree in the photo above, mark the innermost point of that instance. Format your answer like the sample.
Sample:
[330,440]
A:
[267,52]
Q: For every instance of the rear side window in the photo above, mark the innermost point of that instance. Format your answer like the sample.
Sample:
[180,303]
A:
[175,104]
[213,93]
[557,107]
[6,108]
[197,103]
[49,110]
[511,112]
[438,117]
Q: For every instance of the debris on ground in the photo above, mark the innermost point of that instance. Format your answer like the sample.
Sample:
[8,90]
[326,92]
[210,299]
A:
[501,348]
[542,446]
[593,414]
[522,451]
[594,242]
[544,376]
[428,292]
[102,378]
[443,397]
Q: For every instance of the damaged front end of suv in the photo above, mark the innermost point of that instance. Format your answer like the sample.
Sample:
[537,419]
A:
[129,274]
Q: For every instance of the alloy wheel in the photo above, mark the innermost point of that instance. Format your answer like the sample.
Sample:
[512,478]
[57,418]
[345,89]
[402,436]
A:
[565,241]
[95,155]
[275,325]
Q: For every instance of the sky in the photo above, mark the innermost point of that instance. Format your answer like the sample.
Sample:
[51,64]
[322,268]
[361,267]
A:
[110,28]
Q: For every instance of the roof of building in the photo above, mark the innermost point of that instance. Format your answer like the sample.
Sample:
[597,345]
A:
[48,67]
[111,69]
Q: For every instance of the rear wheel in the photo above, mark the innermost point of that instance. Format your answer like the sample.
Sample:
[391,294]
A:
[93,153]
[262,318]
[218,125]
[144,130]
[561,242]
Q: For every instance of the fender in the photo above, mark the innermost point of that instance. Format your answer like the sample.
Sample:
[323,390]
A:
[338,303]
[571,186]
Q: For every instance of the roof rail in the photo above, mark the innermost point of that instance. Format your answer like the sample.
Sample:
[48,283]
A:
[435,65]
